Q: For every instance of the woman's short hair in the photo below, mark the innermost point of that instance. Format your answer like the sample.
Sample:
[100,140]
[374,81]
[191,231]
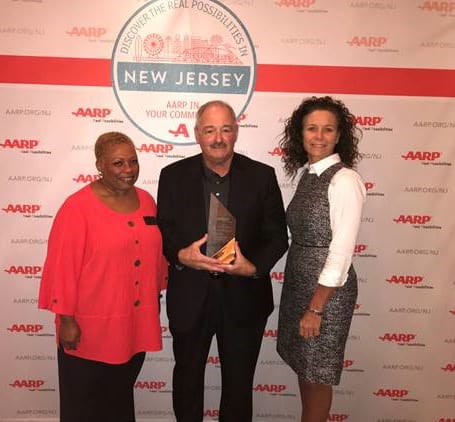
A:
[110,138]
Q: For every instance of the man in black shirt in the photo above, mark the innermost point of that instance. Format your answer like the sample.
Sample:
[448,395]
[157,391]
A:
[205,297]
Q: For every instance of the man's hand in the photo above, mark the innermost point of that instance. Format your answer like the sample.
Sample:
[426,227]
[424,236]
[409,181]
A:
[192,257]
[241,266]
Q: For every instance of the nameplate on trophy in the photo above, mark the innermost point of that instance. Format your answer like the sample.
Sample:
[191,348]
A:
[221,232]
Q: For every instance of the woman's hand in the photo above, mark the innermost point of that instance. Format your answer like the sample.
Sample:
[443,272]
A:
[70,333]
[310,325]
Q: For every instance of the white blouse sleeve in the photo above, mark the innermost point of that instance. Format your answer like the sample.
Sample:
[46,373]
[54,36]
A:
[346,198]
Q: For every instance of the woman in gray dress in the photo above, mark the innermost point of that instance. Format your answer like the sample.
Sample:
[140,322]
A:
[320,286]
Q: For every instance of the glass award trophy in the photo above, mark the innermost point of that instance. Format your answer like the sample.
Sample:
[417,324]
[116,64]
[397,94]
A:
[221,232]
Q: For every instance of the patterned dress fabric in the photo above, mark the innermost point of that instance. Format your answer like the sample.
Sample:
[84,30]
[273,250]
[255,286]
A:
[319,359]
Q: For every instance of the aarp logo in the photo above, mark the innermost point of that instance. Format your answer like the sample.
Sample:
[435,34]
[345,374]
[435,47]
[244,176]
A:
[400,339]
[417,221]
[450,367]
[214,360]
[392,393]
[86,178]
[212,413]
[23,145]
[86,31]
[165,332]
[412,219]
[244,122]
[367,41]
[149,385]
[28,384]
[273,389]
[276,152]
[23,209]
[271,333]
[277,276]
[359,310]
[406,280]
[426,158]
[421,155]
[159,150]
[442,7]
[295,3]
[371,189]
[29,329]
[92,112]
[339,417]
[362,250]
[367,121]
[28,271]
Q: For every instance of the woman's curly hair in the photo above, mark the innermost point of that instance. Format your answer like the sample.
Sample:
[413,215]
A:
[291,140]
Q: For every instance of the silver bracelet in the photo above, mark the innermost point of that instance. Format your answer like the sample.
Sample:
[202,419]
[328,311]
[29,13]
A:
[315,311]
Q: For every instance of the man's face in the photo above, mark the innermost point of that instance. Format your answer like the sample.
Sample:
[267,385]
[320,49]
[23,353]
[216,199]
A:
[216,133]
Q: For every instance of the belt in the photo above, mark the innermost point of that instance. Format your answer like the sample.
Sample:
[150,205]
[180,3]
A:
[310,246]
[212,274]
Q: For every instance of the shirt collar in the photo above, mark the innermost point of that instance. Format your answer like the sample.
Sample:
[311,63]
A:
[211,176]
[322,165]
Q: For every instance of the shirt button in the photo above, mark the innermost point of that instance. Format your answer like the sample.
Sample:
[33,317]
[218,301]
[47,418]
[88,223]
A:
[136,283]
[137,302]
[137,262]
[131,223]
[136,241]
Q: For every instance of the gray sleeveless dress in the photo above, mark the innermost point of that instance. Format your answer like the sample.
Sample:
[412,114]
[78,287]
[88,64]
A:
[319,359]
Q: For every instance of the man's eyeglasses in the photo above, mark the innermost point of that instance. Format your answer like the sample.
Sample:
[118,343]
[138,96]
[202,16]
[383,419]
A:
[211,131]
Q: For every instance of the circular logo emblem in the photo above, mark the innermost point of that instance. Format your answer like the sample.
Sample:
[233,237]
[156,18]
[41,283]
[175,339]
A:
[172,56]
